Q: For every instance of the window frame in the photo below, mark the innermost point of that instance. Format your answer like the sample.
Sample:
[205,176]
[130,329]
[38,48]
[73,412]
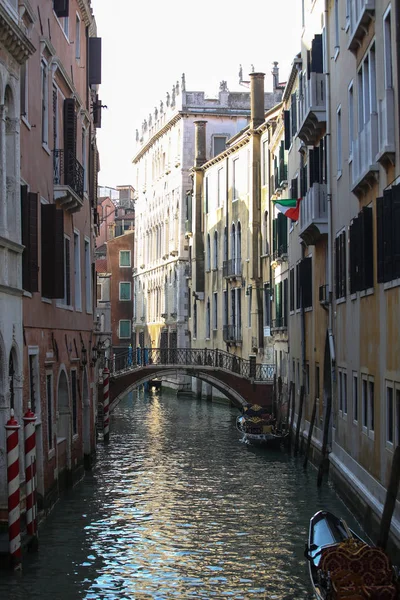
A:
[124,284]
[121,266]
[121,337]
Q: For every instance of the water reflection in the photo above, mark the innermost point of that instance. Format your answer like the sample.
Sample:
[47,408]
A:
[177,507]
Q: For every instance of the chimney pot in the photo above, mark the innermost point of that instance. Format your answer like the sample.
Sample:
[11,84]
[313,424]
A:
[257,99]
[200,143]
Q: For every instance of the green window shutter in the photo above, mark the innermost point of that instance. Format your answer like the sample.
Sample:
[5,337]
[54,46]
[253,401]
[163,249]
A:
[274,236]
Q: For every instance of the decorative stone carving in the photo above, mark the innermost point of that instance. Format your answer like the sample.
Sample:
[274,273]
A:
[155,113]
[137,135]
[223,86]
[150,120]
[183,83]
[173,96]
[177,88]
[240,73]
[161,107]
[168,100]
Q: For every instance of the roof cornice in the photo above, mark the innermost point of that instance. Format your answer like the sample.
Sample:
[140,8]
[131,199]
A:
[86,11]
[156,136]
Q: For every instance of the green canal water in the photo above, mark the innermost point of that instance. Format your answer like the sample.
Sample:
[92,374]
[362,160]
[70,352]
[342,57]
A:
[176,507]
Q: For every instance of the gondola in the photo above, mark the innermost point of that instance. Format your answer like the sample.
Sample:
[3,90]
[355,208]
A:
[259,427]
[342,565]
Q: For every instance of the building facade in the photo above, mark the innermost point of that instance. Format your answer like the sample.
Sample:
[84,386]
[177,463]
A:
[16,47]
[59,164]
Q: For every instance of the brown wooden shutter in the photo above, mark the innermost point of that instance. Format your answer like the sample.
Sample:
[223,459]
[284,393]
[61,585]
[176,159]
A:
[25,237]
[70,126]
[285,302]
[94,61]
[396,230]
[317,54]
[387,235]
[67,272]
[306,281]
[380,239]
[337,268]
[61,8]
[29,219]
[286,120]
[367,245]
[353,258]
[343,263]
[52,251]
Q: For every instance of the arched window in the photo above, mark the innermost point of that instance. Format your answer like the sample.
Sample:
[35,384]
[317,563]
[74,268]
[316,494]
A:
[233,242]
[225,243]
[208,252]
[11,374]
[239,249]
[208,319]
[215,250]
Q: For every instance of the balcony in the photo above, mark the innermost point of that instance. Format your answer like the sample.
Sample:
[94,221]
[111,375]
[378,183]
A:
[278,324]
[312,109]
[232,268]
[386,150]
[314,214]
[232,334]
[364,152]
[68,179]
[361,14]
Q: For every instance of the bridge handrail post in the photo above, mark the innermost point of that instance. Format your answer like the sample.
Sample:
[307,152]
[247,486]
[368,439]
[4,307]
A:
[216,357]
[252,366]
[205,356]
[113,363]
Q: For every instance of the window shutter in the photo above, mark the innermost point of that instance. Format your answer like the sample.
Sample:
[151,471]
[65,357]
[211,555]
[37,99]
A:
[293,111]
[291,289]
[278,300]
[25,237]
[367,245]
[52,251]
[294,189]
[352,235]
[342,247]
[286,120]
[316,54]
[396,230]
[387,235]
[33,242]
[69,126]
[282,234]
[274,236]
[380,239]
[61,8]
[306,281]
[94,61]
[337,268]
[285,302]
[67,272]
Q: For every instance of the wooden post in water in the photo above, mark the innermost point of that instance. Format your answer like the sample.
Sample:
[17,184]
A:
[293,407]
[323,466]
[296,445]
[390,501]
[310,431]
[279,410]
[275,391]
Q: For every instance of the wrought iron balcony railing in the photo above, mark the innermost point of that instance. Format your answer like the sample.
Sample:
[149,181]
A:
[68,170]
[232,267]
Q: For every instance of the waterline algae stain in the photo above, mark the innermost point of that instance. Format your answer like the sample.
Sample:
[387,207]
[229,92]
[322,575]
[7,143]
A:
[177,507]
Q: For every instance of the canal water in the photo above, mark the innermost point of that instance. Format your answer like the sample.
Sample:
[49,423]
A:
[177,507]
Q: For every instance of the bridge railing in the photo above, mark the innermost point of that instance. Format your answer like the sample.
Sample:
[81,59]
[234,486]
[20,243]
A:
[219,359]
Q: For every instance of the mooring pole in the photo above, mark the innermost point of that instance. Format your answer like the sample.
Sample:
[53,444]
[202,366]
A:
[14,510]
[296,445]
[310,432]
[390,501]
[293,407]
[29,419]
[323,465]
[106,405]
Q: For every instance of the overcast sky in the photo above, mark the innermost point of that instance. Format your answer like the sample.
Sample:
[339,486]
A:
[146,47]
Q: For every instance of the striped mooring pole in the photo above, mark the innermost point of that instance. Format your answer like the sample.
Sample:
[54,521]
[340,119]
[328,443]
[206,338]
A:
[30,471]
[14,511]
[106,404]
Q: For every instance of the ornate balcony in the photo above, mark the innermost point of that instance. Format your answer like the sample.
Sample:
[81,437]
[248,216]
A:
[232,268]
[361,14]
[364,153]
[68,176]
[312,109]
[314,214]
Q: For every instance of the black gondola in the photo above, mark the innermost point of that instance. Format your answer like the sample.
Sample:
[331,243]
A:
[342,565]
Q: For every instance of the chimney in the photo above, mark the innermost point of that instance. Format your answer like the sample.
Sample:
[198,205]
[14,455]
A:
[200,143]
[275,76]
[257,99]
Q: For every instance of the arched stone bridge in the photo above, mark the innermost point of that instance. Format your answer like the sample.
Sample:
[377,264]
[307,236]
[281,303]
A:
[239,379]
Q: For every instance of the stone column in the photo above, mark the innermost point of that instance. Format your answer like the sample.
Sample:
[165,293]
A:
[257,99]
[200,143]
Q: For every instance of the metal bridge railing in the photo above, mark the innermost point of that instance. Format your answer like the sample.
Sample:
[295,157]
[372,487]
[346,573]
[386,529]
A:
[219,359]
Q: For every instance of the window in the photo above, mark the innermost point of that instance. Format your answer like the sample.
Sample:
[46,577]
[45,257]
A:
[307,379]
[88,281]
[368,404]
[124,258]
[77,271]
[389,414]
[124,290]
[84,159]
[279,235]
[267,307]
[24,90]
[208,252]
[371,405]
[67,272]
[208,319]
[388,239]
[337,24]
[344,393]
[225,313]
[195,320]
[305,272]
[250,299]
[364,399]
[206,196]
[340,390]
[45,102]
[221,188]
[215,310]
[298,289]
[361,252]
[49,395]
[265,233]
[291,290]
[265,163]
[215,250]
[219,144]
[77,37]
[387,43]
[293,114]
[74,403]
[65,26]
[355,397]
[124,329]
[235,179]
[34,385]
[351,118]
[341,271]
[339,140]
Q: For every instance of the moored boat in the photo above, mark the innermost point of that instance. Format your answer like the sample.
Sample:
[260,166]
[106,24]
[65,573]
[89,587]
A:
[259,427]
[342,565]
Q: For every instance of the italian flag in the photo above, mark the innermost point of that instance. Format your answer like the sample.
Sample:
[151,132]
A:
[290,207]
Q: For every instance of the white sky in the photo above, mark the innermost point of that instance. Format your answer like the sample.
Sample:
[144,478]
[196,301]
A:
[146,46]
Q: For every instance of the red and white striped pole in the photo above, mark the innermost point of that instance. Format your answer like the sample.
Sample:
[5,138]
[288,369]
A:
[14,511]
[106,404]
[30,467]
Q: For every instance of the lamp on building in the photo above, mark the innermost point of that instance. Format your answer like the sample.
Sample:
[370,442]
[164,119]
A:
[95,354]
[83,357]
